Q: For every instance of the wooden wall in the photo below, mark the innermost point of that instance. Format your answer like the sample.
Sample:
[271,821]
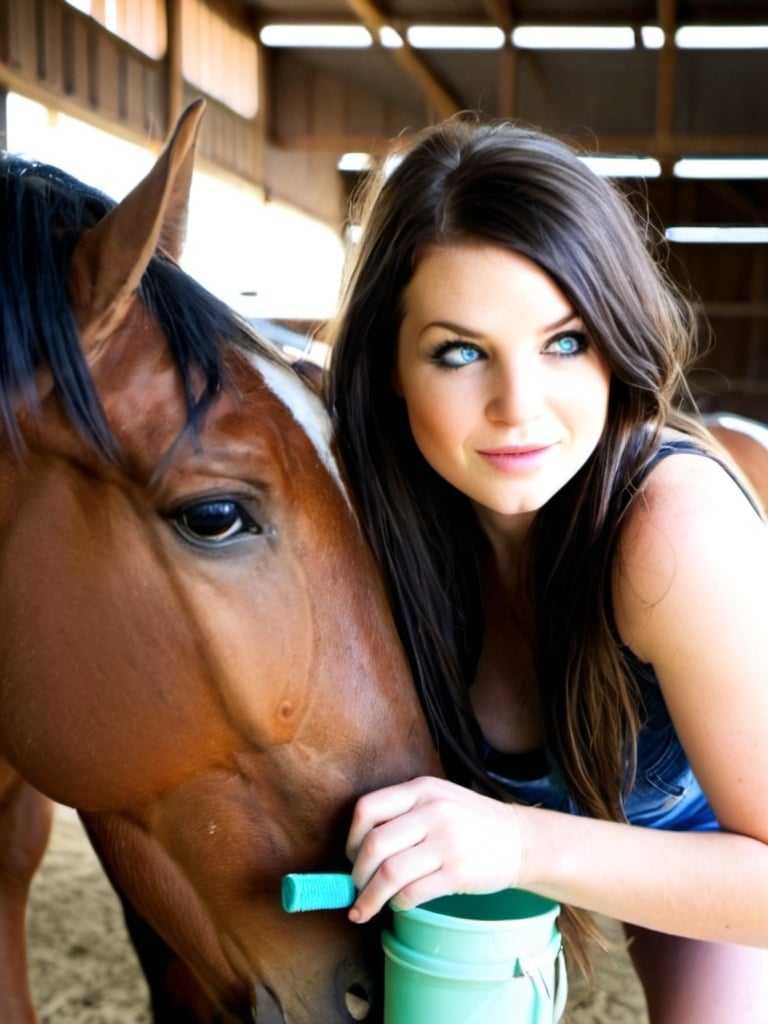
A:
[52,53]
[730,286]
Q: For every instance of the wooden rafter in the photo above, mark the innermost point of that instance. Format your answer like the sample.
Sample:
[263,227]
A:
[650,145]
[440,99]
[666,79]
[500,15]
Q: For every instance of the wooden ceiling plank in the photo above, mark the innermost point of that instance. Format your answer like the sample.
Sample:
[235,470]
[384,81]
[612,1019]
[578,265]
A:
[677,146]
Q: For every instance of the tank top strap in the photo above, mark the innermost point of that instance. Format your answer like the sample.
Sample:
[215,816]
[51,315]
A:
[690,447]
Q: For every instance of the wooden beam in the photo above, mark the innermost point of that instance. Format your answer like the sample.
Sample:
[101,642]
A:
[42,93]
[439,98]
[666,74]
[643,145]
[702,375]
[3,118]
[352,142]
[736,310]
[501,17]
[174,75]
[674,146]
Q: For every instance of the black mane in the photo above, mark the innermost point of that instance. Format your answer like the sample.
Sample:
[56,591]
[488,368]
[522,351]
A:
[42,212]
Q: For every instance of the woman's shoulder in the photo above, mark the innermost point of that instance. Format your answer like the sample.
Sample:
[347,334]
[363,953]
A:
[687,477]
[690,519]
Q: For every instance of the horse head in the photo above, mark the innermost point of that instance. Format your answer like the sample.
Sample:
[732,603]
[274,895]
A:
[196,647]
[746,442]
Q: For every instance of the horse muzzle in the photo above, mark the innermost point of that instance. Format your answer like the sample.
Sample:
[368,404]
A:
[355,997]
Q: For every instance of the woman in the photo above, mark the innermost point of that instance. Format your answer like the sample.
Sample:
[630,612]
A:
[579,580]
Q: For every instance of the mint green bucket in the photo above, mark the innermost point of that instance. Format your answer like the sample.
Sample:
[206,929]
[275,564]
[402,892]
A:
[490,959]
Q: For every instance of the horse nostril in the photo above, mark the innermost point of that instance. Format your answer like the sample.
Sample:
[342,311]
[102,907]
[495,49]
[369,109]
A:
[355,991]
[357,1002]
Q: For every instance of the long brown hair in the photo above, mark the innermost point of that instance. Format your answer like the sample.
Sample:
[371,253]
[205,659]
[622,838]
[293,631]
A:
[497,182]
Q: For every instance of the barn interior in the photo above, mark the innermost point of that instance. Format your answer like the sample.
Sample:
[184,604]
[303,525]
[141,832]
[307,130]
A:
[668,95]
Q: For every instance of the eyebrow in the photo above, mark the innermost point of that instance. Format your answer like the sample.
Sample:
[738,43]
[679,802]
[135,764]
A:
[467,332]
[572,315]
[448,325]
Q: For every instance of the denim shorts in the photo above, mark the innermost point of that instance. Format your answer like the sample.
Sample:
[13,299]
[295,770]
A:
[666,794]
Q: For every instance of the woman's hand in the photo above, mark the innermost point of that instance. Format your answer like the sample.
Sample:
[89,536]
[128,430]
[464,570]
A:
[427,838]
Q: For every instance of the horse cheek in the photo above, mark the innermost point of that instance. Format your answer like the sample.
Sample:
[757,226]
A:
[99,611]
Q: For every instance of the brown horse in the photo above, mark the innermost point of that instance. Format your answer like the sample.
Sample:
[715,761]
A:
[746,441]
[196,651]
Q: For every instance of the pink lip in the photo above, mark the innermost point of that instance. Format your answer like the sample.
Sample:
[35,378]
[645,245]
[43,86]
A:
[517,457]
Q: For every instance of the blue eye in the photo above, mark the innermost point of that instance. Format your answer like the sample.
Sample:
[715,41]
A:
[454,354]
[570,343]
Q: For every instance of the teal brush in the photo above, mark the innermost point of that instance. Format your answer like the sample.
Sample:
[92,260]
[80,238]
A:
[317,892]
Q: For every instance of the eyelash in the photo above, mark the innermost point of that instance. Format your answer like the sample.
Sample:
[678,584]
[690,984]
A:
[444,348]
[578,336]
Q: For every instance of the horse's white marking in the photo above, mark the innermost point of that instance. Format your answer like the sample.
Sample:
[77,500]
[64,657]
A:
[305,407]
[757,431]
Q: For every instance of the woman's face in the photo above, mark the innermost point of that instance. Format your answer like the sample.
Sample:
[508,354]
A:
[506,396]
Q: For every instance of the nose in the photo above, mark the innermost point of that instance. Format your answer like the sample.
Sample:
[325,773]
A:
[515,393]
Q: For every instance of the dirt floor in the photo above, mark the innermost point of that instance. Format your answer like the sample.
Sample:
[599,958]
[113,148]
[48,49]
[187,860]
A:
[84,972]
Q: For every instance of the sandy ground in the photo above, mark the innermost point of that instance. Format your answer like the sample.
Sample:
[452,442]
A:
[83,970]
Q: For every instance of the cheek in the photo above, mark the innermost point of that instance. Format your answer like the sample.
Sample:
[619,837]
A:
[429,421]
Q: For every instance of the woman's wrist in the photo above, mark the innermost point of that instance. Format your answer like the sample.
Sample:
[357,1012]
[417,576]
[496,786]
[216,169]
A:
[518,815]
[546,849]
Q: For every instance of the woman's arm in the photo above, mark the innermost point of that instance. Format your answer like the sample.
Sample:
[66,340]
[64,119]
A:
[429,837]
[691,595]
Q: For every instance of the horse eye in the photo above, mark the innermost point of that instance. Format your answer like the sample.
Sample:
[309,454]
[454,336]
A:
[214,521]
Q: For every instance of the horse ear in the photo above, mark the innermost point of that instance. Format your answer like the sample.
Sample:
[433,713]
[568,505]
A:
[110,258]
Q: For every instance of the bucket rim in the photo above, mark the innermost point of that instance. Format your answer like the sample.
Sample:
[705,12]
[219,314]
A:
[422,914]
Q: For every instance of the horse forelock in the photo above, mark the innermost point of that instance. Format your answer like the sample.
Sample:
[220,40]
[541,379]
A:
[41,209]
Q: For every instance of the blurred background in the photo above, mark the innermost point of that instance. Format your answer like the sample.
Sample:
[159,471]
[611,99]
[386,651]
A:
[669,97]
